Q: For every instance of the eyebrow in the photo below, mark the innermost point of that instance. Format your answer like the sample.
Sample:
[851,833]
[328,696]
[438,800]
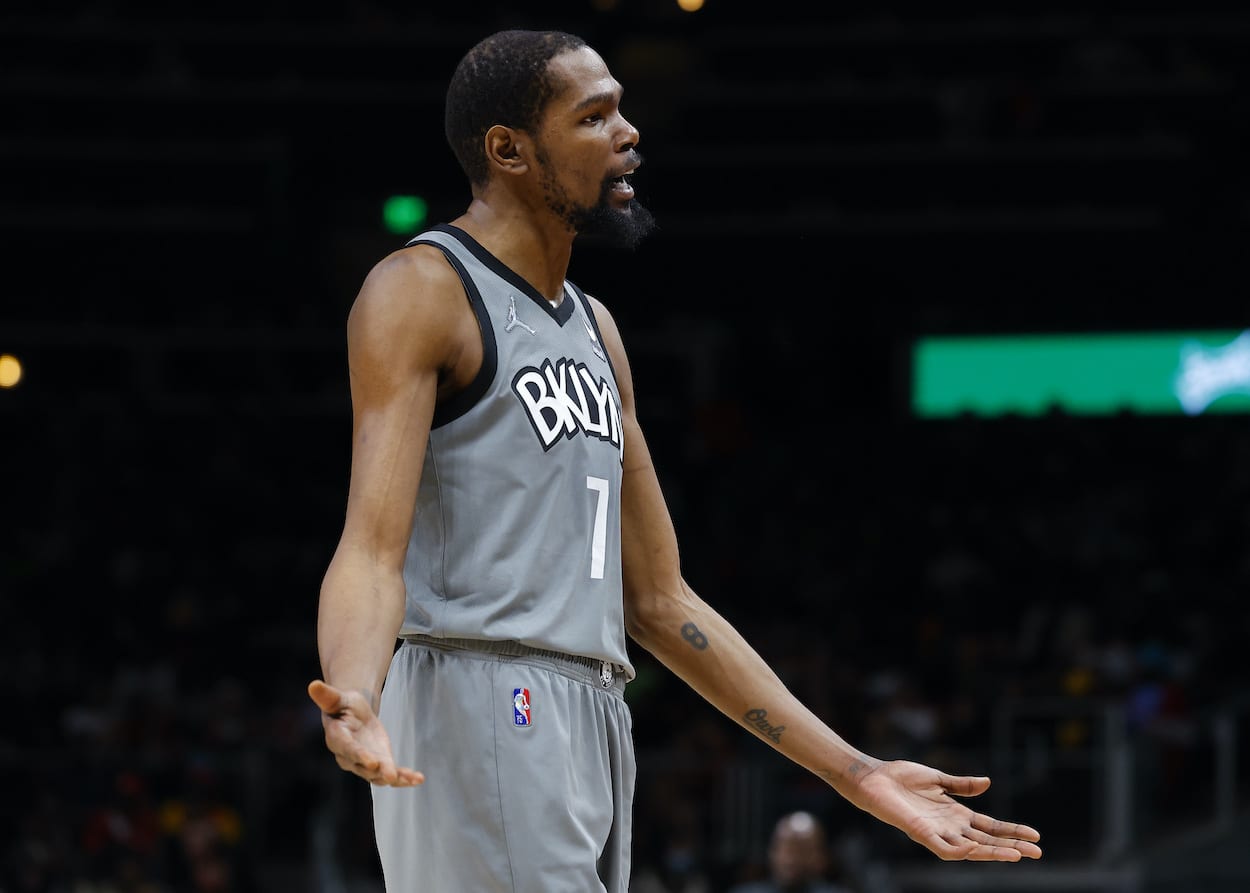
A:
[597,99]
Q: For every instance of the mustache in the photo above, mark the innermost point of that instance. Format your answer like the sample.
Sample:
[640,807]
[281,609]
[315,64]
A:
[633,161]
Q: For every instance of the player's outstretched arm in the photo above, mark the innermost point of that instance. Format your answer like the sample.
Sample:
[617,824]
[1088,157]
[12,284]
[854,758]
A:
[399,332]
[665,616]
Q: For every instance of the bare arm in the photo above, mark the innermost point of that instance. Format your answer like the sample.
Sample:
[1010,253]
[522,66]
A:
[398,333]
[666,617]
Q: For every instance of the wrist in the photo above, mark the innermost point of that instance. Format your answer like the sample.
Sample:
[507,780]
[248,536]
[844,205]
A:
[849,770]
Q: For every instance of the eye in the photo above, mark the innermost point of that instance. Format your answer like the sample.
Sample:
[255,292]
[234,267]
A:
[593,118]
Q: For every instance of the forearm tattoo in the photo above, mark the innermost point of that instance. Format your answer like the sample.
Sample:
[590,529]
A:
[694,636]
[856,767]
[758,717]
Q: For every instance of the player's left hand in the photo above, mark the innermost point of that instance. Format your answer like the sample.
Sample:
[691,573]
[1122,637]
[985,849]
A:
[919,801]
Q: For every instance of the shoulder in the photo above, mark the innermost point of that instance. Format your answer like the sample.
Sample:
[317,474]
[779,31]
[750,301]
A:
[410,281]
[615,346]
[602,315]
[410,302]
[608,328]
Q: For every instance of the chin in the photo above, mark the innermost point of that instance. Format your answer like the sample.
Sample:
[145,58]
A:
[623,227]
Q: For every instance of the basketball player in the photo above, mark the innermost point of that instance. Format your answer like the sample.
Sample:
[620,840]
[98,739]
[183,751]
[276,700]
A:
[504,520]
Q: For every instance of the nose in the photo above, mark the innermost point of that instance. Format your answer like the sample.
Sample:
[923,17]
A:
[629,136]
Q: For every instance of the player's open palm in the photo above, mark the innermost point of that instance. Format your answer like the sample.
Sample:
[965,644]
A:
[920,801]
[356,737]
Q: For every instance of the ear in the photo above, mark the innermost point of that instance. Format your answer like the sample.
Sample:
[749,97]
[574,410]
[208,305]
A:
[507,149]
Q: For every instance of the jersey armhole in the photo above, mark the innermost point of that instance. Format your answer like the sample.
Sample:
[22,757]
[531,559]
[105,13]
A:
[464,400]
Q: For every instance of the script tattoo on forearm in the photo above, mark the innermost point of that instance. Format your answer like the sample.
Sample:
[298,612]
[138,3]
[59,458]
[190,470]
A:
[694,636]
[758,717]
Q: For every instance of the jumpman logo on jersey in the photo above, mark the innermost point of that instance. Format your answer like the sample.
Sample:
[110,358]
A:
[514,320]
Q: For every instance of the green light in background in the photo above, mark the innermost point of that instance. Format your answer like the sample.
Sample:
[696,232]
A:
[1158,373]
[404,214]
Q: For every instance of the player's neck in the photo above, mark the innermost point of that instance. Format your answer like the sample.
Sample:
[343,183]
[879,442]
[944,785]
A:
[536,250]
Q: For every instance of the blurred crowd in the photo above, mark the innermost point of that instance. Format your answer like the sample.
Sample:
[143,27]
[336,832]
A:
[159,614]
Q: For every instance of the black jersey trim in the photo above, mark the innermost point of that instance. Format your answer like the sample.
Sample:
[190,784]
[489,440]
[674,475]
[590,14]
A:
[561,314]
[590,314]
[462,401]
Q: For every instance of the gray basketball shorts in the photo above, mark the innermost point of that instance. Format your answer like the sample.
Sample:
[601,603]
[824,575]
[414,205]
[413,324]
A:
[529,772]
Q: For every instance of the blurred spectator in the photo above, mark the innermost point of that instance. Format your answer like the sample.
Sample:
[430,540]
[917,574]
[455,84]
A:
[798,859]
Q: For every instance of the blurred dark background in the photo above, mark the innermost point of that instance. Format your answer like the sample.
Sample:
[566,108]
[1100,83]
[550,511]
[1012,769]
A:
[190,196]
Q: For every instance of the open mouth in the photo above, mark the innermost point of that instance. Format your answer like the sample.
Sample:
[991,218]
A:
[620,186]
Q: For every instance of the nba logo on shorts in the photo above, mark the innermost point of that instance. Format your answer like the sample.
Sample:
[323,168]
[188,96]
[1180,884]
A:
[520,706]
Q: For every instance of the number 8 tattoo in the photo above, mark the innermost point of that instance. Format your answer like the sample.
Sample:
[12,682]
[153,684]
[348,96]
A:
[694,636]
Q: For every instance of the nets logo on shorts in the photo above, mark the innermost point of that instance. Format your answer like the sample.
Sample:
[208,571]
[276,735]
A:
[520,706]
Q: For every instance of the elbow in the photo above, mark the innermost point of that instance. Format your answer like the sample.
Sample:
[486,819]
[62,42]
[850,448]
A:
[648,613]
[637,622]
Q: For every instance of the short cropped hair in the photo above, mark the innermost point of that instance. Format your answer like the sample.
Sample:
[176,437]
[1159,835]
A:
[502,80]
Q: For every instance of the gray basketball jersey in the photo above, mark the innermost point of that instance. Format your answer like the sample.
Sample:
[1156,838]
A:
[517,529]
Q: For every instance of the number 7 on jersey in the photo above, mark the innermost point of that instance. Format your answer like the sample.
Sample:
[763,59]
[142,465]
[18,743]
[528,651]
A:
[598,540]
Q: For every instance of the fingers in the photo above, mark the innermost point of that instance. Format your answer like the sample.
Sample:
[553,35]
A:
[964,785]
[996,843]
[969,850]
[993,839]
[951,850]
[379,772]
[995,828]
[328,698]
[977,845]
[1001,853]
[409,777]
[982,853]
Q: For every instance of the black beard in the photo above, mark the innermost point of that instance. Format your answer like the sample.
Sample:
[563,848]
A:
[620,228]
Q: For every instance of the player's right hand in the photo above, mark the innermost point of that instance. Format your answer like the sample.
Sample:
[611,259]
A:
[356,737]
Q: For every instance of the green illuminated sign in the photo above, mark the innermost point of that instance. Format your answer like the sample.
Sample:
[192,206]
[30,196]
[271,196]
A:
[1149,373]
[404,214]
